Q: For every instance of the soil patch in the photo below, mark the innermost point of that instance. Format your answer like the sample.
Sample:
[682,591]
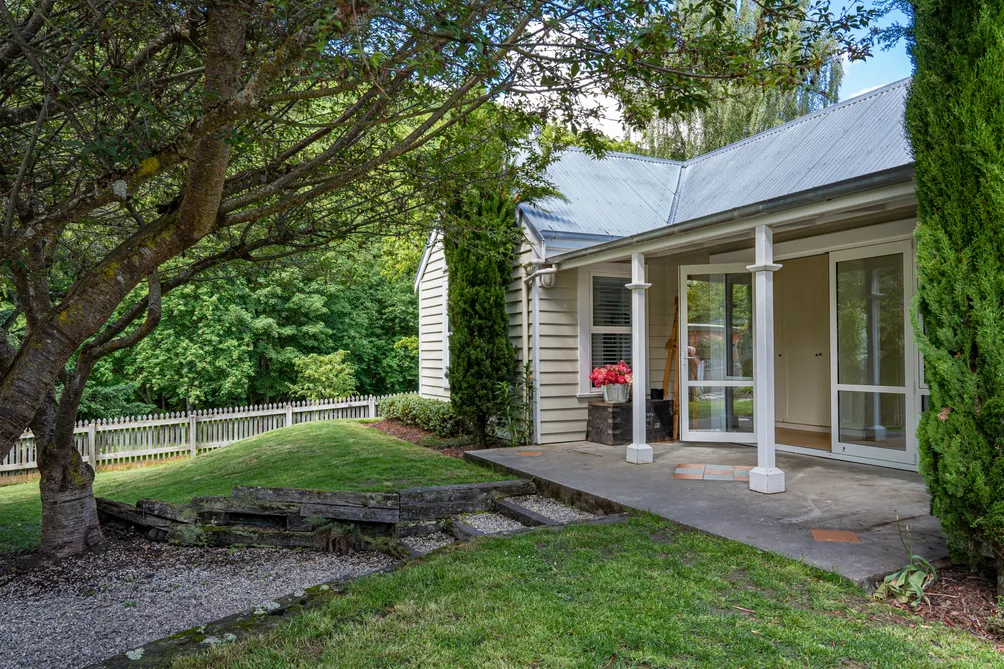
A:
[963,599]
[420,437]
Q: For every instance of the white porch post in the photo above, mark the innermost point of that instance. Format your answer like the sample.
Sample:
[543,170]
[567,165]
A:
[765,477]
[639,452]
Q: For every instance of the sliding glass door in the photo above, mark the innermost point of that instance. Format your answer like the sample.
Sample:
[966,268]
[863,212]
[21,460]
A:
[716,353]
[871,361]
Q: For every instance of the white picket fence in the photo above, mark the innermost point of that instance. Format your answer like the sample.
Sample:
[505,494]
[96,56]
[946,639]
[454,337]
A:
[135,438]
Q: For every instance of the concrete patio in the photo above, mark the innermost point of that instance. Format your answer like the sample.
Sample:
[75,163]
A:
[821,494]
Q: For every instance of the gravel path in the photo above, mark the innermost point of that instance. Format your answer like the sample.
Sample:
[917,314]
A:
[490,523]
[83,610]
[549,508]
[429,542]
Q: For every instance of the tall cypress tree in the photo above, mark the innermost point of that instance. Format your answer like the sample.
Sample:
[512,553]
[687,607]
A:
[479,250]
[955,119]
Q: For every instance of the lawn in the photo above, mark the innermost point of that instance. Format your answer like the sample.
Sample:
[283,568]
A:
[641,594]
[332,455]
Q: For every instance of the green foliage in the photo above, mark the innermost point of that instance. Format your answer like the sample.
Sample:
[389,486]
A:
[514,424]
[321,377]
[111,402]
[908,584]
[479,255]
[955,124]
[431,415]
[738,110]
[237,340]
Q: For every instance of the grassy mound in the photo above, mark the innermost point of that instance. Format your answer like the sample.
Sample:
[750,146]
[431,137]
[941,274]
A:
[332,455]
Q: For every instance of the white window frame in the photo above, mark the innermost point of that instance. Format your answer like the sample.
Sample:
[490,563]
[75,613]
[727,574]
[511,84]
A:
[586,329]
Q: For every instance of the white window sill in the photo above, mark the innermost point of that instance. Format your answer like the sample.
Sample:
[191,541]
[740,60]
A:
[589,396]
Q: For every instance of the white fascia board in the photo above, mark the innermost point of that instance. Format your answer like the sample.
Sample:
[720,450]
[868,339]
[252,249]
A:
[424,262]
[681,235]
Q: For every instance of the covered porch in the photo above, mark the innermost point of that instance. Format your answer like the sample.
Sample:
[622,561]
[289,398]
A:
[854,503]
[789,332]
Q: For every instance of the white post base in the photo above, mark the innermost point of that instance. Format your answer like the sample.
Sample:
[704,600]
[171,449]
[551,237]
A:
[767,481]
[639,454]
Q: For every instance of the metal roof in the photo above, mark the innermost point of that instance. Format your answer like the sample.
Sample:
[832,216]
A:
[623,194]
[620,195]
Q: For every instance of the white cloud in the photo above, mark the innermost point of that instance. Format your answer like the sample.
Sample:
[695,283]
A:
[863,91]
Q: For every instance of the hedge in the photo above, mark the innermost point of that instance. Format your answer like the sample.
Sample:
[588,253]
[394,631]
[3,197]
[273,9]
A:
[432,415]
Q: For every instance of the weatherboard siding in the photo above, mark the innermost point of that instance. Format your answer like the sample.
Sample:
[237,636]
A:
[431,302]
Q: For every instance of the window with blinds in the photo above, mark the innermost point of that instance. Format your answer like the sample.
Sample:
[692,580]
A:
[610,326]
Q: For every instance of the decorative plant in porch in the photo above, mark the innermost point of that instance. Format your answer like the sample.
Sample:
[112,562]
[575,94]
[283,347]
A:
[614,379]
[955,125]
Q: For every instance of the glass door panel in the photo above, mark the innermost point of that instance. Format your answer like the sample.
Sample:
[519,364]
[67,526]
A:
[870,360]
[716,331]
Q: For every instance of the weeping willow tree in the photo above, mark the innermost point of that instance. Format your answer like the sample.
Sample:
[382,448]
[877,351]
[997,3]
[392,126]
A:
[956,128]
[739,110]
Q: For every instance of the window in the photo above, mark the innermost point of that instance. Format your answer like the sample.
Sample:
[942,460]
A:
[610,328]
[604,320]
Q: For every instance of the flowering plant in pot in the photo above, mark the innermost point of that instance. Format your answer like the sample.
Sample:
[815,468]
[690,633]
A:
[615,380]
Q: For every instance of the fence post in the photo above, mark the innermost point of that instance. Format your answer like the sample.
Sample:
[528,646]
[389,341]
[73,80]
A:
[92,444]
[192,435]
[289,414]
[372,407]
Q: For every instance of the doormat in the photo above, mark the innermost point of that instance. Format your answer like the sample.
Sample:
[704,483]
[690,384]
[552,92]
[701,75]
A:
[713,472]
[530,454]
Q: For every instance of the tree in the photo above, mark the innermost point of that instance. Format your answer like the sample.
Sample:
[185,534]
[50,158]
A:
[955,125]
[320,377]
[142,139]
[741,110]
[479,256]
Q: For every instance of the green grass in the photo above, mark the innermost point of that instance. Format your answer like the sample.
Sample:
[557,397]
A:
[334,455]
[642,594]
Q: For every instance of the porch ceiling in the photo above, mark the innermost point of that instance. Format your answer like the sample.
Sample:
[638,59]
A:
[821,495]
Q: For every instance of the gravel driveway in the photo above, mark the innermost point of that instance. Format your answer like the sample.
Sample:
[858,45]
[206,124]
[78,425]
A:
[82,610]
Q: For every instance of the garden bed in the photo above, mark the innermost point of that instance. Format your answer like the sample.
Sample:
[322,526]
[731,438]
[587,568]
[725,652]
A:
[965,600]
[455,447]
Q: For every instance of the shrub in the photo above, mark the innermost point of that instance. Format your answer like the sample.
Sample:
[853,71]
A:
[955,124]
[431,415]
[479,251]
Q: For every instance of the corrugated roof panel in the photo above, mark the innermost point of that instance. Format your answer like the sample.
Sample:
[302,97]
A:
[861,136]
[623,194]
[616,196]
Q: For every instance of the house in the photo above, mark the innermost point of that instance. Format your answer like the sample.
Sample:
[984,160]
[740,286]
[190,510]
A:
[785,262]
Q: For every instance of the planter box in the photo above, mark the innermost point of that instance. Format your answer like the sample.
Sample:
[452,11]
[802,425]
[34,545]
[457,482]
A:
[610,422]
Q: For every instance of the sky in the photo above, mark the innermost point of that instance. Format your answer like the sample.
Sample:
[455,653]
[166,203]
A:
[884,67]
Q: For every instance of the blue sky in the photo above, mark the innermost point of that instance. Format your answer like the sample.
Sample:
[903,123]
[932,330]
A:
[884,67]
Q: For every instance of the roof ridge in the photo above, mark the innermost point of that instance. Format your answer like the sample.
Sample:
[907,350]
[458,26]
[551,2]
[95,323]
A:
[628,156]
[794,122]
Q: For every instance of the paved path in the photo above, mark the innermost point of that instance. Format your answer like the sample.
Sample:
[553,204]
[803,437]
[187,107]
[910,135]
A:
[821,495]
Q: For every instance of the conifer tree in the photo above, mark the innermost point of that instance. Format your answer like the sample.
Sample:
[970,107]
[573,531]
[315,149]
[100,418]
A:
[479,254]
[956,125]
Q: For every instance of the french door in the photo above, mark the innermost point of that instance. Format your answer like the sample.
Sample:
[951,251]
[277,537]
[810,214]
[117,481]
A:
[716,353]
[872,367]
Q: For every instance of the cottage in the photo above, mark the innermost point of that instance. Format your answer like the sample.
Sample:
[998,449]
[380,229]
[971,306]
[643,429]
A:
[785,263]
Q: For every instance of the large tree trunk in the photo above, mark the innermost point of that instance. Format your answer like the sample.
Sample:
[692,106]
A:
[69,515]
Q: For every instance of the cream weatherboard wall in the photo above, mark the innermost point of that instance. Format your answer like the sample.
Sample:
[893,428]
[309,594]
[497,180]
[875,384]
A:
[563,397]
[432,323]
[563,405]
